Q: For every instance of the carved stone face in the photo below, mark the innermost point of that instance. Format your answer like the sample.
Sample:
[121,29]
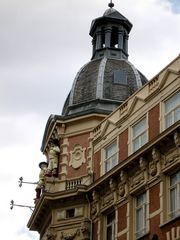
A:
[142,163]
[155,154]
[153,168]
[95,196]
[122,190]
[112,184]
[123,177]
[177,139]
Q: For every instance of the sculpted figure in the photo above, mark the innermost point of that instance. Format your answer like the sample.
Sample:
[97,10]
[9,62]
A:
[122,185]
[112,184]
[156,154]
[142,164]
[177,139]
[153,168]
[41,183]
[53,157]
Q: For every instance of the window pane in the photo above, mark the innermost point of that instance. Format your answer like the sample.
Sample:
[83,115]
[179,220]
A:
[110,226]
[139,127]
[141,215]
[168,120]
[175,194]
[111,149]
[107,166]
[110,156]
[143,138]
[172,103]
[177,114]
[136,144]
[109,233]
[173,202]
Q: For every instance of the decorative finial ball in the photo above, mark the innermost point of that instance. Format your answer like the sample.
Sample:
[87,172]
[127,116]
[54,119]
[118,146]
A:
[111,5]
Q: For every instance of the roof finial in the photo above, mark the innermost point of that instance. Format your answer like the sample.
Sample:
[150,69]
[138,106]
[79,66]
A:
[111,4]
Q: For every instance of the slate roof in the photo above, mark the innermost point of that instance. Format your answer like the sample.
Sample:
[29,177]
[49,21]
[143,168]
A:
[94,88]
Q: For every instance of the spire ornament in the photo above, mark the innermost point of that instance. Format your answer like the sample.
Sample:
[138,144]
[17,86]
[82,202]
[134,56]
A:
[111,4]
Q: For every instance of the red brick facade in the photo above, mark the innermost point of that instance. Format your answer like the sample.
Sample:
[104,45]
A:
[154,122]
[123,145]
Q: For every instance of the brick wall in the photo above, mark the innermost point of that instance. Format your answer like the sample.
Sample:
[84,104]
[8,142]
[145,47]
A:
[123,145]
[154,122]
[83,141]
[96,164]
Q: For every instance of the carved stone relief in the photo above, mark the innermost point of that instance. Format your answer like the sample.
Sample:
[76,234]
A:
[77,156]
[177,139]
[153,168]
[156,156]
[85,230]
[95,204]
[123,186]
[50,235]
[70,234]
[171,158]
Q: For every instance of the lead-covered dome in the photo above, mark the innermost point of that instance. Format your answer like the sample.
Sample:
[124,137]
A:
[109,78]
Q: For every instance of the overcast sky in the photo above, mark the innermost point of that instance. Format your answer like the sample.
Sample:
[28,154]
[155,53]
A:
[43,44]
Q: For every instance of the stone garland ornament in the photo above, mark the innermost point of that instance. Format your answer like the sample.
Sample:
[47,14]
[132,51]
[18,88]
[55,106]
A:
[77,156]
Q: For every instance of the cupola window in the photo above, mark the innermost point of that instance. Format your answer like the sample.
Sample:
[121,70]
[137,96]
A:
[120,77]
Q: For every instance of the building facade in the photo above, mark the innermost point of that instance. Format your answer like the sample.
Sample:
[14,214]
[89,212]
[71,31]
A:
[114,154]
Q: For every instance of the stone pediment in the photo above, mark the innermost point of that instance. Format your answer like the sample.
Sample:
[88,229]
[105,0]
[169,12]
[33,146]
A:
[169,75]
[107,127]
[136,104]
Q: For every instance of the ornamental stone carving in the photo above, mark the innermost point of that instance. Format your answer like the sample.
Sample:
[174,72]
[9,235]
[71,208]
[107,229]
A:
[70,234]
[122,187]
[95,204]
[77,156]
[153,168]
[173,234]
[137,179]
[50,235]
[156,156]
[85,230]
[112,184]
[177,139]
[143,166]
[171,158]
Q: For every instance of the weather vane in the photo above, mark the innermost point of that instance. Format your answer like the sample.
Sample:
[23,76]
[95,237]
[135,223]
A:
[111,4]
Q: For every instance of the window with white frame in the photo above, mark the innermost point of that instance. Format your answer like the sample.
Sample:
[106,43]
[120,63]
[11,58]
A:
[175,194]
[141,215]
[111,158]
[110,226]
[172,110]
[139,132]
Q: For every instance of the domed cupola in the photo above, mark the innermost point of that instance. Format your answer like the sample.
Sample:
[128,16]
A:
[109,78]
[110,34]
